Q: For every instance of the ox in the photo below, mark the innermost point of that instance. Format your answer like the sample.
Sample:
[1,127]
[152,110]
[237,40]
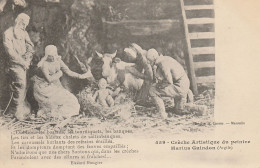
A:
[75,85]
[116,72]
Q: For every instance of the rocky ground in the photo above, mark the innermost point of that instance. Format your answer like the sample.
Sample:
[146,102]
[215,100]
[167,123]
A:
[127,115]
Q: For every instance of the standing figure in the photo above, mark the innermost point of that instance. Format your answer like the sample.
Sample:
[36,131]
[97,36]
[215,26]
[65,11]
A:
[54,100]
[19,49]
[172,82]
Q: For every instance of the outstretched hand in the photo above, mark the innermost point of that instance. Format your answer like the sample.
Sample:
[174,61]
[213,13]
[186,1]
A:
[118,89]
[86,75]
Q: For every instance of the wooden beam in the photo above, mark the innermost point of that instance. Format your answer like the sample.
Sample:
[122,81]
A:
[201,21]
[206,79]
[191,66]
[198,7]
[208,64]
[204,35]
[170,21]
[203,50]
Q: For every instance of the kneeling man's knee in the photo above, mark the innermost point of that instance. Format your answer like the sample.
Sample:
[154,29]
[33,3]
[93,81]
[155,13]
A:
[153,91]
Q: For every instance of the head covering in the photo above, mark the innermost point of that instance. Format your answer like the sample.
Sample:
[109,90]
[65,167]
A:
[49,50]
[133,50]
[130,53]
[22,17]
[152,55]
[138,49]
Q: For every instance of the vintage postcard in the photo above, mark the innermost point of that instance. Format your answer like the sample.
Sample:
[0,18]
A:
[119,83]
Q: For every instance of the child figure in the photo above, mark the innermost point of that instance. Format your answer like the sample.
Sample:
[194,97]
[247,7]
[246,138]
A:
[105,96]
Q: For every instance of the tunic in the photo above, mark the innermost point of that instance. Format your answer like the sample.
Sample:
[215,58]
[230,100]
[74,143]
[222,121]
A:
[19,50]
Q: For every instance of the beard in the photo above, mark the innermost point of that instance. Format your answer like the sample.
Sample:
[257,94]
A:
[19,33]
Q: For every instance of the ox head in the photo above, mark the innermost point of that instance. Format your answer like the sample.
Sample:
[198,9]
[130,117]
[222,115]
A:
[108,63]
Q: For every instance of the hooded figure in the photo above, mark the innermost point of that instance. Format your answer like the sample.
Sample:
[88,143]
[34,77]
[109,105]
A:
[54,100]
[19,49]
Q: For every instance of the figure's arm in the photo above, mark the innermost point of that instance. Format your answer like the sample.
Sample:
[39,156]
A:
[167,74]
[149,72]
[67,71]
[29,47]
[29,42]
[57,75]
[50,78]
[70,73]
[134,72]
[116,92]
[12,54]
[95,95]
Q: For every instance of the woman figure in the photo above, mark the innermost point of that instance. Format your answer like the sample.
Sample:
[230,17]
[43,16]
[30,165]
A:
[54,100]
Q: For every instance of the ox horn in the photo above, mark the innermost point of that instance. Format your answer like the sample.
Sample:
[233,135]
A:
[99,55]
[114,54]
[89,60]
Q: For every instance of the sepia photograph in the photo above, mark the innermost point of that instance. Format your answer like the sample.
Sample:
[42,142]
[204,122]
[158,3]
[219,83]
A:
[91,82]
[147,65]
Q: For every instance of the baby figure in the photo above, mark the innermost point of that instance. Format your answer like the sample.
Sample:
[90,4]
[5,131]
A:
[105,96]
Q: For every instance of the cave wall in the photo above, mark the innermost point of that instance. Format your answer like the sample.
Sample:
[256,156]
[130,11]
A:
[89,33]
[170,41]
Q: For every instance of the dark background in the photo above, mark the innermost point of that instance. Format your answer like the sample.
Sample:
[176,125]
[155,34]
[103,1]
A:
[81,27]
